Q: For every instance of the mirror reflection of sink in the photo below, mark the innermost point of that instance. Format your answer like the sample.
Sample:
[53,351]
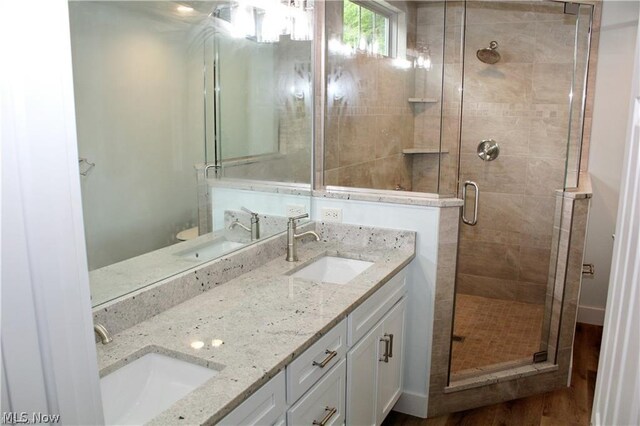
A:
[144,388]
[332,269]
[210,249]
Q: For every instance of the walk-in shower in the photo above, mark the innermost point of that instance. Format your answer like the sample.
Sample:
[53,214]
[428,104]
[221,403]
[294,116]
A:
[483,101]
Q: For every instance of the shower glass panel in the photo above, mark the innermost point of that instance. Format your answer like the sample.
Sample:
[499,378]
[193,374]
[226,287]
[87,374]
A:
[584,18]
[383,100]
[521,128]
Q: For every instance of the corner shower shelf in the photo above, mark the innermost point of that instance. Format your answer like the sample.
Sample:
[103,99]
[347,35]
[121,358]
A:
[413,151]
[422,100]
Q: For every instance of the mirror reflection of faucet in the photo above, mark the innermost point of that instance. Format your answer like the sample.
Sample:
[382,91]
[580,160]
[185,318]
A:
[254,230]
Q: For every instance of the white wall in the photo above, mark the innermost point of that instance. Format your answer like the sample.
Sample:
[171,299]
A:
[139,104]
[617,393]
[421,279]
[613,85]
[48,349]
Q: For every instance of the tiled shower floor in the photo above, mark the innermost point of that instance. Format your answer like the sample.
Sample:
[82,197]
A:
[494,331]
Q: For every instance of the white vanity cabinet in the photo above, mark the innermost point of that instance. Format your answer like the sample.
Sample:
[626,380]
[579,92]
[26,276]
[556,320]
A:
[374,365]
[352,375]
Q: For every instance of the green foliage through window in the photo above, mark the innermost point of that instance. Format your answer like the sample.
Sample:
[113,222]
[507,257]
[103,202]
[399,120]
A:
[365,29]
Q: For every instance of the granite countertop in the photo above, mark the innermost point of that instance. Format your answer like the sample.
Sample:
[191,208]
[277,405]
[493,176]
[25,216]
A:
[256,324]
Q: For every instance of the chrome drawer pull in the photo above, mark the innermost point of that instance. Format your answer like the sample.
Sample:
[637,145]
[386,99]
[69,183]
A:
[390,336]
[385,355]
[330,356]
[330,412]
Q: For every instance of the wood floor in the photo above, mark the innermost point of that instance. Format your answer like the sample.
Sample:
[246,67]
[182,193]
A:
[568,406]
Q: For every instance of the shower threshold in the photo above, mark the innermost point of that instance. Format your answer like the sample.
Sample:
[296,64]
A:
[465,380]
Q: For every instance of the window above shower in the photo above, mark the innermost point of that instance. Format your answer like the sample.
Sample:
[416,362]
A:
[367,27]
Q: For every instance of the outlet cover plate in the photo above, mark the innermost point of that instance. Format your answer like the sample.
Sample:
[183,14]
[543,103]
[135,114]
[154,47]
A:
[296,209]
[331,214]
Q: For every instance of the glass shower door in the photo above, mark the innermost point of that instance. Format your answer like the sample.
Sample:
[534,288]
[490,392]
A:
[524,67]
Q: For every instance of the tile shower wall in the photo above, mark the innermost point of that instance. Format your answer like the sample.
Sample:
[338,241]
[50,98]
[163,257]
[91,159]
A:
[369,120]
[522,103]
[437,124]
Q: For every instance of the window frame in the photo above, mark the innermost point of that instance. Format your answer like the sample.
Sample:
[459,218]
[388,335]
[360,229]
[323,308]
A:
[392,14]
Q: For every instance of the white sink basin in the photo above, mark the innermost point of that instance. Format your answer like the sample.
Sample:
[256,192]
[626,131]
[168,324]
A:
[210,250]
[331,269]
[142,389]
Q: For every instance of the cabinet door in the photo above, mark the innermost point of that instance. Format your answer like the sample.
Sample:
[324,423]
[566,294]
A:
[390,370]
[362,371]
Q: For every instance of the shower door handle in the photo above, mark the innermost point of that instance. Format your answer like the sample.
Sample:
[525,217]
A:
[476,197]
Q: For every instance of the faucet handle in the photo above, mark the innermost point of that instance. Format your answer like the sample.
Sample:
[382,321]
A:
[302,216]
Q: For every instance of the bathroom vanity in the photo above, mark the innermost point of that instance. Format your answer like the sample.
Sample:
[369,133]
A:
[284,342]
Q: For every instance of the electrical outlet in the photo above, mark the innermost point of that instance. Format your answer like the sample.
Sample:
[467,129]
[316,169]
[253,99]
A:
[331,215]
[296,210]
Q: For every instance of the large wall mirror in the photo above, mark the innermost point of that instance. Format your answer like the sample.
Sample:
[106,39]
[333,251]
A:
[165,89]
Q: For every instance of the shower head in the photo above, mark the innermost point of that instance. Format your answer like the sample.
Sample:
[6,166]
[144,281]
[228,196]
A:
[489,55]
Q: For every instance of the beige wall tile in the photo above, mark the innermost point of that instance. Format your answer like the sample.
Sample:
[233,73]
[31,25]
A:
[389,133]
[548,136]
[534,265]
[502,175]
[357,139]
[552,83]
[493,12]
[555,41]
[489,259]
[501,82]
[544,176]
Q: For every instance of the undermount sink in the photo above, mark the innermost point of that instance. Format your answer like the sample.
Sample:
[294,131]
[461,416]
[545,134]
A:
[210,249]
[332,269]
[144,388]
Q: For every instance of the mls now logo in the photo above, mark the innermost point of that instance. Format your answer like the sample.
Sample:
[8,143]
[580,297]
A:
[29,418]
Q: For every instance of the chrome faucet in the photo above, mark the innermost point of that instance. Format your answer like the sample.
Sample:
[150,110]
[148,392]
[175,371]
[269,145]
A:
[102,333]
[255,224]
[292,255]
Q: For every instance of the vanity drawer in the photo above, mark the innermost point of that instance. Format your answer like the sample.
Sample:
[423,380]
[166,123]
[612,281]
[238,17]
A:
[365,316]
[324,402]
[265,407]
[313,363]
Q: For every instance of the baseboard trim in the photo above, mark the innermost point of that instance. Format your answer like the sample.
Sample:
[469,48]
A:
[414,404]
[590,315]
